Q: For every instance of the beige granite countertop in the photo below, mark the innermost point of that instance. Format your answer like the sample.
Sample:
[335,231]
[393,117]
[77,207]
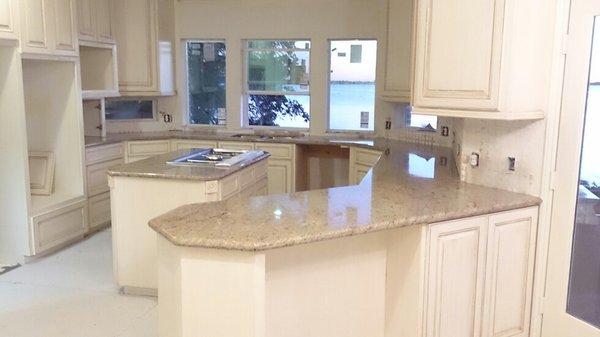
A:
[156,167]
[410,185]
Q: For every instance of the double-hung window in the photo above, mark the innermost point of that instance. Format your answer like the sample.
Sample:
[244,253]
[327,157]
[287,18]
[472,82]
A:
[206,85]
[277,89]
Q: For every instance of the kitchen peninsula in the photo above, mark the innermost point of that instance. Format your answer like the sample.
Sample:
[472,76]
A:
[149,187]
[391,256]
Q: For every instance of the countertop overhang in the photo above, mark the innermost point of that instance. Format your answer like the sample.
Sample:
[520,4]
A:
[411,184]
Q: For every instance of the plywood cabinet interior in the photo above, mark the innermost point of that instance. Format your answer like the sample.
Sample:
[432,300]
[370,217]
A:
[95,21]
[9,20]
[398,51]
[481,59]
[48,27]
[146,66]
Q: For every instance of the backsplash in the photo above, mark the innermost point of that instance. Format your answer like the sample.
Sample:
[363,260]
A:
[400,131]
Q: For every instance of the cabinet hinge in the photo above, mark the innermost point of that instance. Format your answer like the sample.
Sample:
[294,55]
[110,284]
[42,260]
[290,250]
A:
[564,45]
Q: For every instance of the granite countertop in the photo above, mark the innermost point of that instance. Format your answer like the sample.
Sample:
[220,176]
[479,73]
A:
[157,167]
[410,185]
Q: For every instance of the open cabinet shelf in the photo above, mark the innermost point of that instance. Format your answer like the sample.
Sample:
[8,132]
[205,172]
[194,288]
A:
[99,76]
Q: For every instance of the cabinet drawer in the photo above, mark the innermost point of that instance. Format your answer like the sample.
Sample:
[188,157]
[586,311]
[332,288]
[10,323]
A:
[180,144]
[236,145]
[277,151]
[58,227]
[367,157]
[99,210]
[99,154]
[97,179]
[148,148]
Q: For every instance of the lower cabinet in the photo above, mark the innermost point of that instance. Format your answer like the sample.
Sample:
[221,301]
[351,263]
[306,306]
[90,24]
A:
[184,144]
[98,211]
[142,149]
[242,146]
[58,227]
[361,161]
[280,176]
[479,275]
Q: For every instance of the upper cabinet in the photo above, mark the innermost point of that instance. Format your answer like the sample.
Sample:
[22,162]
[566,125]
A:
[48,27]
[481,59]
[9,20]
[398,51]
[145,66]
[95,21]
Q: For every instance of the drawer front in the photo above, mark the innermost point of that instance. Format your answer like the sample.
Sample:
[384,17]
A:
[97,179]
[367,157]
[180,144]
[236,145]
[55,228]
[148,148]
[99,210]
[278,151]
[99,154]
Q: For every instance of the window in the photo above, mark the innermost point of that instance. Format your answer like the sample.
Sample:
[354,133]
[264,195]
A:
[277,83]
[424,122]
[127,109]
[206,82]
[352,67]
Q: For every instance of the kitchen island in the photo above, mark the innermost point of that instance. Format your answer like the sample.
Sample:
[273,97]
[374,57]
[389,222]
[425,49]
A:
[146,188]
[410,251]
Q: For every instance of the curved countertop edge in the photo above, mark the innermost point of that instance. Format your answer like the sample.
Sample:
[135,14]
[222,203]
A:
[225,244]
[398,191]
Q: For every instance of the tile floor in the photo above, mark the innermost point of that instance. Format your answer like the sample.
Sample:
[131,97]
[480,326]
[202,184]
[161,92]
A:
[72,294]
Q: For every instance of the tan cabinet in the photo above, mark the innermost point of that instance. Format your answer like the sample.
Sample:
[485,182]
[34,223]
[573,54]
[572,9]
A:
[58,227]
[146,66]
[236,146]
[482,59]
[48,27]
[361,161]
[182,144]
[95,21]
[138,150]
[398,51]
[9,20]
[281,169]
[484,267]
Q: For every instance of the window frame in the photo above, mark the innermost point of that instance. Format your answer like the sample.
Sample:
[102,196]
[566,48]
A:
[328,129]
[246,92]
[134,98]
[186,83]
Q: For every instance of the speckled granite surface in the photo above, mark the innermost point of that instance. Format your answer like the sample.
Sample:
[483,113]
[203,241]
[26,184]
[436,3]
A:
[410,185]
[157,167]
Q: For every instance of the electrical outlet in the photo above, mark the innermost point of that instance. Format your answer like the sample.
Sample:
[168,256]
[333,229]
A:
[474,159]
[512,163]
[445,131]
[388,125]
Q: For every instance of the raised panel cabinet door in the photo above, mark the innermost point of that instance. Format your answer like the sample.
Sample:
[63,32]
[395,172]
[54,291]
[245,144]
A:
[455,282]
[279,176]
[104,26]
[35,26]
[509,279]
[85,20]
[458,54]
[8,20]
[398,52]
[65,34]
[135,20]
[180,144]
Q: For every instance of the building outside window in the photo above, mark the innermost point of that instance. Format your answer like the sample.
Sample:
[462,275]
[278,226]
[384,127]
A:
[122,109]
[424,122]
[206,83]
[277,85]
[352,69]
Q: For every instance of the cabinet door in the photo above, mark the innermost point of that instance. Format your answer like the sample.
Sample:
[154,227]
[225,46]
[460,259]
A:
[398,55]
[181,144]
[135,20]
[65,34]
[98,210]
[279,173]
[104,27]
[359,172]
[85,20]
[458,53]
[8,20]
[236,146]
[455,269]
[35,26]
[509,279]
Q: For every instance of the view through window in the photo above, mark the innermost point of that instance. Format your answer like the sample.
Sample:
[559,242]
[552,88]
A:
[352,67]
[277,86]
[128,109]
[206,82]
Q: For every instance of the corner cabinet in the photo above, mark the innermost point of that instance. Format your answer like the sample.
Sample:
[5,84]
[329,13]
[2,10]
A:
[484,266]
[481,59]
[48,27]
[94,18]
[398,51]
[9,20]
[146,66]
